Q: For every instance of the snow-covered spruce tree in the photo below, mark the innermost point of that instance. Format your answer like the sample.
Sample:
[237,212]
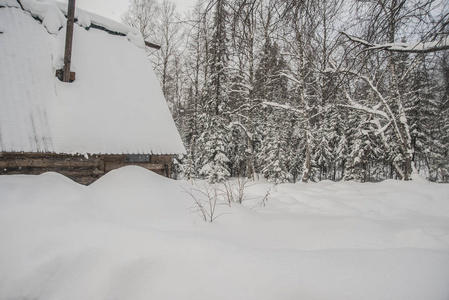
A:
[337,119]
[328,131]
[273,154]
[277,146]
[440,154]
[237,148]
[270,86]
[364,152]
[347,161]
[344,122]
[438,158]
[421,109]
[322,153]
[341,152]
[214,160]
[293,134]
[188,167]
[214,151]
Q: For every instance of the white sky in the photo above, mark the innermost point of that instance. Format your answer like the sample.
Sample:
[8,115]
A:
[113,9]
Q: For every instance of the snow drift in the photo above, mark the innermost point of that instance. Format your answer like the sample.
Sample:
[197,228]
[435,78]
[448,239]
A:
[131,235]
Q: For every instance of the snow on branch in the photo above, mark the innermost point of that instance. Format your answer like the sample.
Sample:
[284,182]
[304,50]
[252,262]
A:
[290,77]
[380,129]
[423,47]
[283,106]
[358,106]
[248,134]
[389,115]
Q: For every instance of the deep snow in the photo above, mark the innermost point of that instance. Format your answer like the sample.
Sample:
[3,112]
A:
[133,235]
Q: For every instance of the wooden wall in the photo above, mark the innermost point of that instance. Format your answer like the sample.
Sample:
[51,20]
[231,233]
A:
[79,168]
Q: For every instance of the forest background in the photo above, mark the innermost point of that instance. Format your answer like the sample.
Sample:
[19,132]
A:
[292,90]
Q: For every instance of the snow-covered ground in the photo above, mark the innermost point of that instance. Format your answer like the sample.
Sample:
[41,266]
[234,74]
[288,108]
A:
[134,235]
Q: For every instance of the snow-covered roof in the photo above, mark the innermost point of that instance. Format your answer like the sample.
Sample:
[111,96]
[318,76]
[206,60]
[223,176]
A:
[114,106]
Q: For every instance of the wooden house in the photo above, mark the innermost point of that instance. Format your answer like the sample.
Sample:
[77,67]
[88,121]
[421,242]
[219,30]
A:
[113,114]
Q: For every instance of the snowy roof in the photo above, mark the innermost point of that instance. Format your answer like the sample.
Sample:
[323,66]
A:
[114,106]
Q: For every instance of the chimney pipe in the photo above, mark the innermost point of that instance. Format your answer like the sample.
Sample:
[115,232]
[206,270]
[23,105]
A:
[68,41]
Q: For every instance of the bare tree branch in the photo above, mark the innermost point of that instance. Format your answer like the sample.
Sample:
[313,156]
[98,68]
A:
[422,47]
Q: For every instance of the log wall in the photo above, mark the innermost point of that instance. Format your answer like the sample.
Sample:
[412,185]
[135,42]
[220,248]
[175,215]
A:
[79,168]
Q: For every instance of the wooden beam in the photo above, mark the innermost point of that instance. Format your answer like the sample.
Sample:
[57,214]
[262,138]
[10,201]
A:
[151,45]
[68,41]
[76,167]
[48,163]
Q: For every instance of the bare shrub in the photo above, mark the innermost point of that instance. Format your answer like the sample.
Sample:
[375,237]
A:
[208,196]
[206,199]
[234,190]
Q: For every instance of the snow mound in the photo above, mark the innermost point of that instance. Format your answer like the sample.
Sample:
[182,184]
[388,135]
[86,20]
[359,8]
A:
[136,192]
[130,176]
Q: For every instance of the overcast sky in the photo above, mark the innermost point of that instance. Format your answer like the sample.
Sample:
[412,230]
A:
[114,9]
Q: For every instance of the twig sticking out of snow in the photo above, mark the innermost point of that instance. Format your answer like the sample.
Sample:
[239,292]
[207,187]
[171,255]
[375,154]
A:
[265,198]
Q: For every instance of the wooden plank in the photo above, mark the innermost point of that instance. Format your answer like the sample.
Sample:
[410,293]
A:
[27,170]
[159,159]
[115,157]
[152,45]
[68,173]
[16,155]
[48,163]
